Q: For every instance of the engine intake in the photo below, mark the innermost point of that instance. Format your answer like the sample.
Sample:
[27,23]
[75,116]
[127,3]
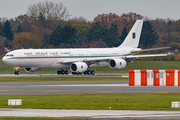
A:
[117,63]
[32,69]
[78,67]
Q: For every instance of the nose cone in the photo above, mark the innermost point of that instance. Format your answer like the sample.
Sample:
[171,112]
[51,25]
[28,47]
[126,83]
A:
[5,60]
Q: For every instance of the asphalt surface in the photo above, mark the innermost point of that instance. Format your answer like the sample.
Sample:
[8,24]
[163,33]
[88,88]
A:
[69,75]
[91,87]
[94,114]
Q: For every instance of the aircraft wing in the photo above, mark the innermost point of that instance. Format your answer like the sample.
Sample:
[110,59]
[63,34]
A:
[88,60]
[93,60]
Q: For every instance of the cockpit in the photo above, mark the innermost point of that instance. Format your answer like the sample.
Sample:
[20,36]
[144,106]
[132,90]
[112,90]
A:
[9,55]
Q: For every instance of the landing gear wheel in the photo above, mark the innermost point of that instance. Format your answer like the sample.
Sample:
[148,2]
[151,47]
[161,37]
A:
[16,72]
[79,73]
[92,72]
[66,72]
[85,72]
[89,72]
[62,72]
[58,72]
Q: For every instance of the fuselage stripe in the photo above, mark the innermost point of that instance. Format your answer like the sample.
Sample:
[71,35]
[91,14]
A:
[40,57]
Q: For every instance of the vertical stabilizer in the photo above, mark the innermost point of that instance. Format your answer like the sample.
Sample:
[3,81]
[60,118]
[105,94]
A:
[133,37]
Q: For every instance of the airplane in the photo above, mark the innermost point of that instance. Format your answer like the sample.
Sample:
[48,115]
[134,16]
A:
[79,60]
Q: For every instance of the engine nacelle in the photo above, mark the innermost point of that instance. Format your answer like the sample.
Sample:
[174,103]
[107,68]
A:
[117,63]
[78,67]
[32,69]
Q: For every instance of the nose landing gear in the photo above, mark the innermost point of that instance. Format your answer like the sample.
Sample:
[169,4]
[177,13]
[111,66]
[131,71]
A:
[16,70]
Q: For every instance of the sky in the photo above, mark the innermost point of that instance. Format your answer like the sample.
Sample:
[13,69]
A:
[89,9]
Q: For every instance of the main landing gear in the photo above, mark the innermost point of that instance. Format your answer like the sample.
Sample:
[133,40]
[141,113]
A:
[62,72]
[88,72]
[65,72]
[16,72]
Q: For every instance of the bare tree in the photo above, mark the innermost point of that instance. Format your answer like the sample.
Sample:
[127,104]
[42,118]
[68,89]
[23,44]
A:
[47,12]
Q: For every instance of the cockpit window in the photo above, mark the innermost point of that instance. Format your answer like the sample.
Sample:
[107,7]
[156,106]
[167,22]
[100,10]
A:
[9,55]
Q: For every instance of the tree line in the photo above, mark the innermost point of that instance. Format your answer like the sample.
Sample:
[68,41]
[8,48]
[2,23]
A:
[47,25]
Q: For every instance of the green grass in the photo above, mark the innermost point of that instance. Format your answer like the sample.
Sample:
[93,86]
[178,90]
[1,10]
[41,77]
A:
[5,69]
[123,101]
[54,79]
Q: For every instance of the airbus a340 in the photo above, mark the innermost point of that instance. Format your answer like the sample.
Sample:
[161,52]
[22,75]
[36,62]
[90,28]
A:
[79,60]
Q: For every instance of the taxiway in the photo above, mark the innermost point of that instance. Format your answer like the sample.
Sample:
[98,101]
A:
[86,87]
[69,75]
[95,114]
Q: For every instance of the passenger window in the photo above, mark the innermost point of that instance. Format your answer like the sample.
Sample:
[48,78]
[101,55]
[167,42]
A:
[167,74]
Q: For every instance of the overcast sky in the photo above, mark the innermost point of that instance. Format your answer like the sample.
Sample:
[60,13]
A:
[89,9]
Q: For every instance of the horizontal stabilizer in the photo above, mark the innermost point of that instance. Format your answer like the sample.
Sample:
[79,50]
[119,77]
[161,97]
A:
[151,49]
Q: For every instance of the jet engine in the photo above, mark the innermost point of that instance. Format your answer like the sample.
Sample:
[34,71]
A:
[32,69]
[78,67]
[117,63]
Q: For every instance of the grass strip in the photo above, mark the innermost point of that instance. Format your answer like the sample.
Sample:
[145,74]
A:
[60,79]
[123,101]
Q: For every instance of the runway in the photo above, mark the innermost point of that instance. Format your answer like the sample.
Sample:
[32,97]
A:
[83,87]
[69,75]
[93,114]
[91,87]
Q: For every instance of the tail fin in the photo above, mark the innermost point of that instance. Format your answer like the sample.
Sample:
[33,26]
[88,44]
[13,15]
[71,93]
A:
[133,37]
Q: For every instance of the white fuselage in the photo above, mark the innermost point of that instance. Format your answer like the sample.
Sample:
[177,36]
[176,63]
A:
[53,58]
[78,60]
